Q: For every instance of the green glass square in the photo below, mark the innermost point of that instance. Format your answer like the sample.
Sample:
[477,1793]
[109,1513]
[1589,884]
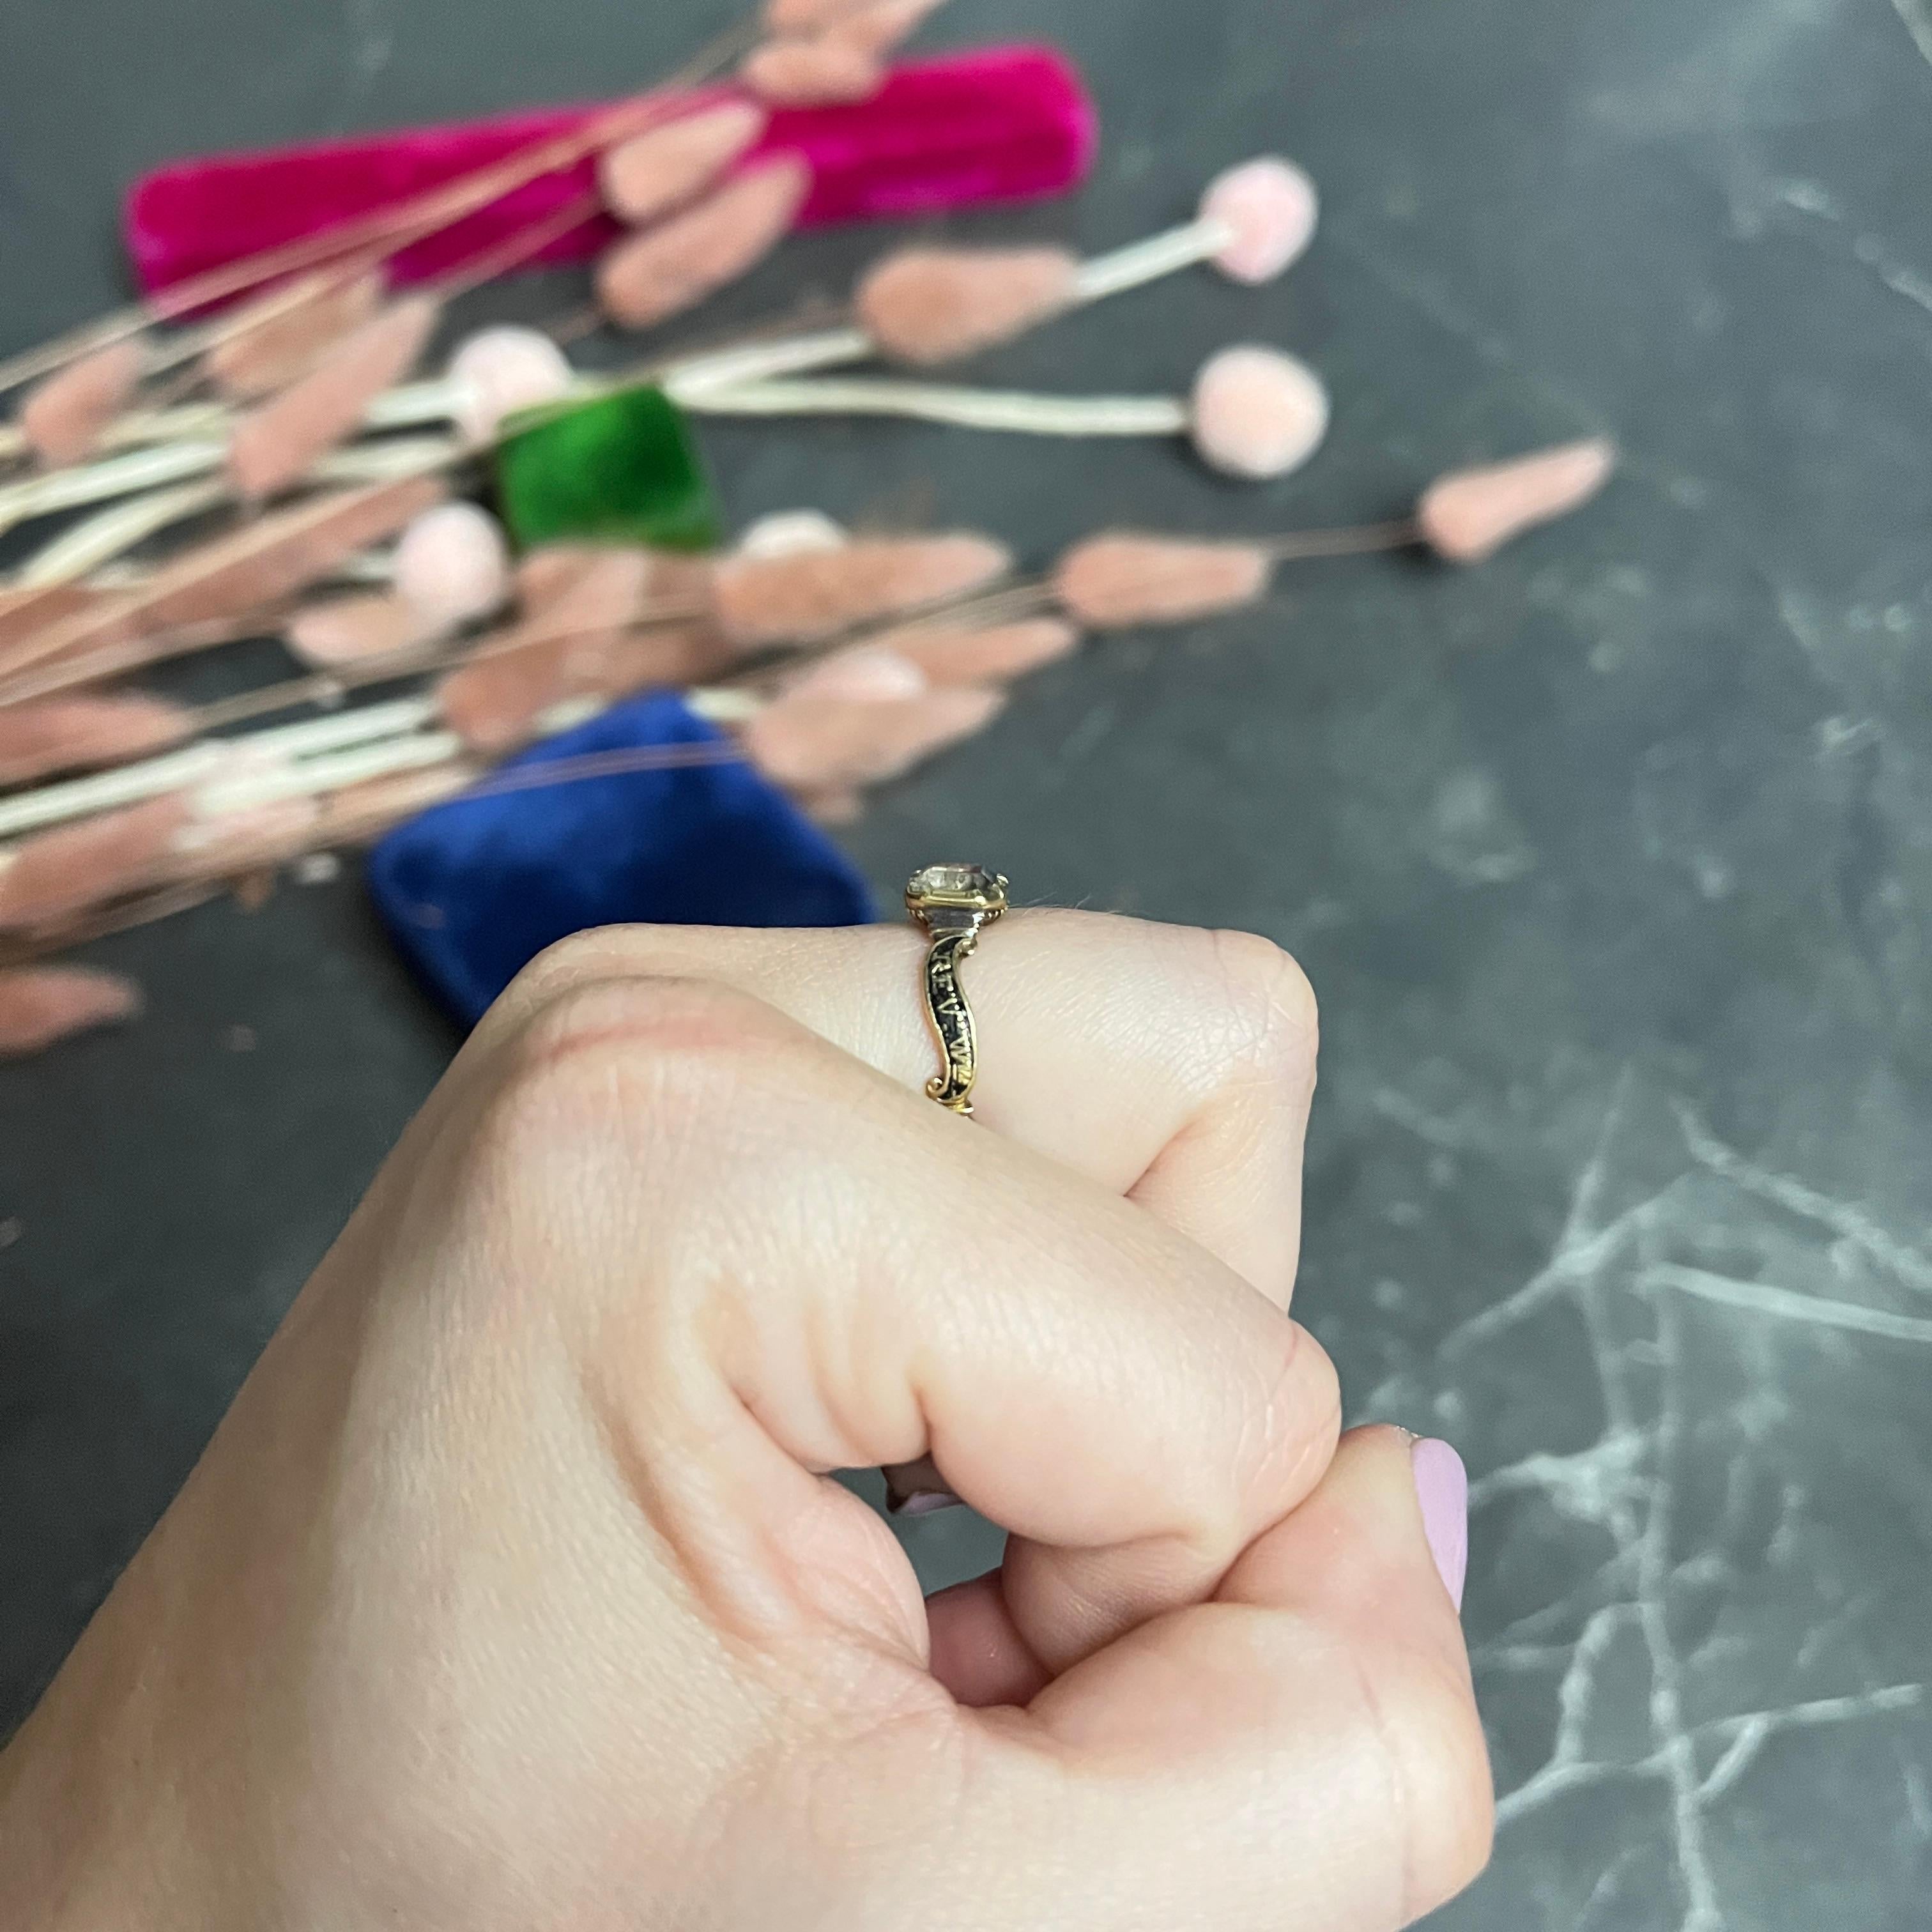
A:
[618,469]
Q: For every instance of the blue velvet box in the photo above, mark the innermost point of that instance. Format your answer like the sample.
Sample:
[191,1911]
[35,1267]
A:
[473,890]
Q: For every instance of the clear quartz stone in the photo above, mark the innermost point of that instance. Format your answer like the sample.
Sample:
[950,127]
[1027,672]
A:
[954,882]
[950,895]
[957,886]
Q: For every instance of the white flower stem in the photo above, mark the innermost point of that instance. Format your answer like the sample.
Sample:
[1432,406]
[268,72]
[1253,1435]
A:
[111,533]
[1103,275]
[415,404]
[261,758]
[346,727]
[689,379]
[96,482]
[328,771]
[1140,263]
[101,539]
[127,785]
[1006,410]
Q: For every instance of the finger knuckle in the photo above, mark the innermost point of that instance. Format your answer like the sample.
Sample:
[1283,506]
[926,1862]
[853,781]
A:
[581,959]
[1298,1421]
[625,1054]
[1425,1725]
[1271,1006]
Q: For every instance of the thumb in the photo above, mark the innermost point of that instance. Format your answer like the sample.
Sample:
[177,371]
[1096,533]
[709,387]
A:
[1309,1736]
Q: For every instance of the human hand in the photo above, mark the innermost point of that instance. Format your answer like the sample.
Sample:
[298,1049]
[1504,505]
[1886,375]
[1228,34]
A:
[511,1592]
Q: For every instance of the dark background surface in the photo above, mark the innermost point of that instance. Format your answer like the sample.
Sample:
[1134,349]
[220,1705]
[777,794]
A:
[1609,862]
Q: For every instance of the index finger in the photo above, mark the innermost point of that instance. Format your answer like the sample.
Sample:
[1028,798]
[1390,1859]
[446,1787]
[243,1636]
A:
[1172,1065]
[794,1252]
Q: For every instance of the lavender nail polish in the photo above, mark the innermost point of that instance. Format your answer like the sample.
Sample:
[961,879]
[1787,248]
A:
[924,1502]
[1442,1485]
[918,1488]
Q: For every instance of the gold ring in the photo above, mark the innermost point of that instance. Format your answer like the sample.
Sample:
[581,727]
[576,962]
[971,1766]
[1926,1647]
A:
[954,904]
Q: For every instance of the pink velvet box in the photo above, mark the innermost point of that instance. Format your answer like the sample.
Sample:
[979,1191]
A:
[997,125]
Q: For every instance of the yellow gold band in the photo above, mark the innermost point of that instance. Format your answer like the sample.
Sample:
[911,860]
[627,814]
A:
[954,904]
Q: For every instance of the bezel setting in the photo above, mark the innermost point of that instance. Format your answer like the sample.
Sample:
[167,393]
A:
[956,888]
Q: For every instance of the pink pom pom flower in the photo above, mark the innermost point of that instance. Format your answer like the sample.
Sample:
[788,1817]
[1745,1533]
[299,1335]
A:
[1258,413]
[1270,207]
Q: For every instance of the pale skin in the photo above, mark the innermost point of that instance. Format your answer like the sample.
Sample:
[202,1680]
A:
[512,1592]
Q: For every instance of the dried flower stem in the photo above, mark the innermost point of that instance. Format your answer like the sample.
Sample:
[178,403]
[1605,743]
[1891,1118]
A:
[387,231]
[144,909]
[1353,540]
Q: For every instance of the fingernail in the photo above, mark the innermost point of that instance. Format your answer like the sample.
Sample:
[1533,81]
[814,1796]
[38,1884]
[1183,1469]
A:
[1442,1485]
[917,1489]
[923,1502]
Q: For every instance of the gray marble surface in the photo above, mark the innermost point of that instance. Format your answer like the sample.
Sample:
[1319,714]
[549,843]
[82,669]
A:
[1610,863]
